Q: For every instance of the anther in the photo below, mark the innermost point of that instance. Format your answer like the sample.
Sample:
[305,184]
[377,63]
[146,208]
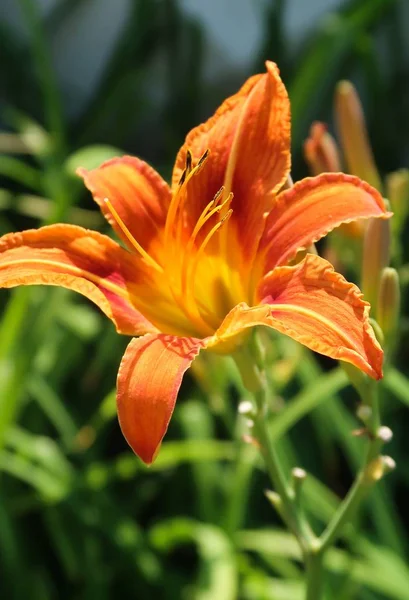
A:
[189,161]
[203,157]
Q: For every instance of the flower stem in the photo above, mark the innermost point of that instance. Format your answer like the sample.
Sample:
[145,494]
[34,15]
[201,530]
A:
[285,502]
[372,470]
[314,575]
[286,497]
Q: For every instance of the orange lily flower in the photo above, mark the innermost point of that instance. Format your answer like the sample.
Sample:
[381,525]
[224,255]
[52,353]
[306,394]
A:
[207,258]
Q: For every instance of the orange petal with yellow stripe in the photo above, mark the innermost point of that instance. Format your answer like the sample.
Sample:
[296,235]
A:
[138,194]
[249,142]
[316,306]
[306,212]
[149,379]
[78,259]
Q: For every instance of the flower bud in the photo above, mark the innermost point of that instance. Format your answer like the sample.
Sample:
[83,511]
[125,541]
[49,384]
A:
[298,477]
[321,150]
[353,134]
[385,434]
[364,413]
[389,303]
[376,254]
[379,467]
[246,408]
[388,464]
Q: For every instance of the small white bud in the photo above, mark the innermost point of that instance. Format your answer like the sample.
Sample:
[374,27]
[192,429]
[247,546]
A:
[246,407]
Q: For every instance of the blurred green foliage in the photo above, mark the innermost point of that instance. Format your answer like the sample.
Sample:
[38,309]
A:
[80,517]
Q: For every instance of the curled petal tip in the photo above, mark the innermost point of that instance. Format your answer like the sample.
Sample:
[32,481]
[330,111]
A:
[316,306]
[81,172]
[312,208]
[272,66]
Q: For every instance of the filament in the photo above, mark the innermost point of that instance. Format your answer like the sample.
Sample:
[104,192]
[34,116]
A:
[191,272]
[131,238]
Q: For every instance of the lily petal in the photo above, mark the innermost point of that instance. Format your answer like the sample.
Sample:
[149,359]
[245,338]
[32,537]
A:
[84,261]
[316,306]
[137,192]
[249,143]
[310,209]
[149,379]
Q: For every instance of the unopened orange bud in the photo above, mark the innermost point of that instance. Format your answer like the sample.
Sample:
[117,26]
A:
[376,255]
[321,150]
[353,134]
[389,304]
[355,229]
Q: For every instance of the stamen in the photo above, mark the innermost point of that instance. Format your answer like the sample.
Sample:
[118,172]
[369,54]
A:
[176,202]
[176,256]
[182,177]
[205,216]
[131,238]
[203,157]
[189,164]
[190,273]
[219,195]
[200,220]
[172,212]
[189,161]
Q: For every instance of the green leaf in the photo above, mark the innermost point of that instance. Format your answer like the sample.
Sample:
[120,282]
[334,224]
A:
[198,425]
[218,572]
[20,172]
[90,157]
[31,133]
[49,486]
[372,570]
[272,588]
[398,384]
[321,389]
[37,460]
[53,407]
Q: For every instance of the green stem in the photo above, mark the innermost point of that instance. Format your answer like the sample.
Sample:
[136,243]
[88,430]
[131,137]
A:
[286,503]
[314,575]
[284,499]
[372,470]
[369,474]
